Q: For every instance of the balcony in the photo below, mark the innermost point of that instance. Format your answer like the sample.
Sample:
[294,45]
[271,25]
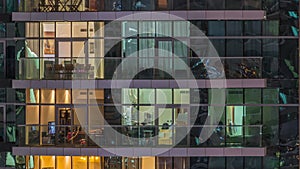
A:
[151,136]
[145,68]
[131,5]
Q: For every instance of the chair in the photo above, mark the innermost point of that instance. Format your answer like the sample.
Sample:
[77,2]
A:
[58,70]
[48,71]
[75,5]
[68,71]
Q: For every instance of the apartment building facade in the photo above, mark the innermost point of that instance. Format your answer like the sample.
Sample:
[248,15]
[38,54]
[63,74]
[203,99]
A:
[150,84]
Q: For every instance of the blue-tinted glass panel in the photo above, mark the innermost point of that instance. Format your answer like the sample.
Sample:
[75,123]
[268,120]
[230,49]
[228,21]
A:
[252,47]
[234,47]
[234,4]
[252,4]
[216,4]
[216,28]
[252,28]
[234,28]
[196,4]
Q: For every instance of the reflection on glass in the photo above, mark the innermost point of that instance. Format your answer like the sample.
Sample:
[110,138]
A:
[146,96]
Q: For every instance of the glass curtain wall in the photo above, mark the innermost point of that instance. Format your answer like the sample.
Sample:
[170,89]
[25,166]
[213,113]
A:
[65,50]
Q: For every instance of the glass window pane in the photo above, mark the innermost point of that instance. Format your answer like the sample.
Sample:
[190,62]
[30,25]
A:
[147,96]
[147,115]
[79,29]
[180,4]
[129,29]
[270,96]
[196,4]
[79,96]
[32,29]
[252,117]
[96,29]
[252,28]
[94,162]
[147,29]
[47,115]
[48,48]
[146,49]
[163,96]
[271,28]
[79,162]
[32,96]
[163,4]
[215,4]
[234,28]
[163,28]
[129,96]
[253,162]
[63,96]
[129,48]
[47,161]
[64,49]
[252,4]
[234,96]
[234,4]
[143,5]
[181,96]
[63,162]
[3,29]
[32,48]
[63,29]
[216,28]
[148,162]
[32,114]
[270,47]
[47,96]
[181,28]
[78,48]
[252,96]
[234,47]
[47,29]
[218,45]
[252,47]
[234,162]
[130,115]
[112,29]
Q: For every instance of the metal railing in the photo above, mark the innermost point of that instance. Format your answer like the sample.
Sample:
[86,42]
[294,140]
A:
[139,136]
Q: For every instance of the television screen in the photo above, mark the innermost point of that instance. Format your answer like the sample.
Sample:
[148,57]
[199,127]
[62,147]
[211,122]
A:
[51,127]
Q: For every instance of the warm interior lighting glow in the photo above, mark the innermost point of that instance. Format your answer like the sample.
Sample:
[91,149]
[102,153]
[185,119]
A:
[52,96]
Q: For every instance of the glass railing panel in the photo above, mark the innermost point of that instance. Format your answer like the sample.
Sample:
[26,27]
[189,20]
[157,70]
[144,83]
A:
[234,136]
[253,136]
[124,5]
[140,68]
[140,136]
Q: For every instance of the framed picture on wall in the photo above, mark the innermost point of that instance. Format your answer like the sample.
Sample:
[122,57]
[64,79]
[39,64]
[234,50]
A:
[49,45]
